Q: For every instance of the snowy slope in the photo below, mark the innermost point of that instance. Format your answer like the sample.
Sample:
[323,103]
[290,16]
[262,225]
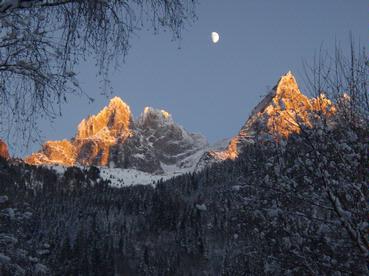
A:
[119,177]
[153,143]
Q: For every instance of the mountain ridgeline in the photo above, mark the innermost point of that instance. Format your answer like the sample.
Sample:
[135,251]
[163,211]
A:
[280,113]
[155,142]
[288,195]
[112,138]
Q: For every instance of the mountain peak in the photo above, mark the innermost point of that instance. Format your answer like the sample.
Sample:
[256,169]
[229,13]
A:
[153,143]
[278,112]
[116,119]
[285,95]
[117,103]
[154,117]
[4,153]
[95,135]
[278,115]
[160,112]
[287,86]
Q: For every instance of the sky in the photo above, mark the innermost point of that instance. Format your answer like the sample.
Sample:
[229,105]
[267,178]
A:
[211,88]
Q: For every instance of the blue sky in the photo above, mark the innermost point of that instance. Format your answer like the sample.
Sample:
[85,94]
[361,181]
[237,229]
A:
[211,88]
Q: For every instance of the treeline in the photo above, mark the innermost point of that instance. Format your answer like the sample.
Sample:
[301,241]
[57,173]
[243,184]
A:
[293,208]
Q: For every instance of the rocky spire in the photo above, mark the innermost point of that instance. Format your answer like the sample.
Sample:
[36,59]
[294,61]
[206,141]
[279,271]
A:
[95,135]
[111,138]
[111,122]
[279,114]
[4,152]
[152,117]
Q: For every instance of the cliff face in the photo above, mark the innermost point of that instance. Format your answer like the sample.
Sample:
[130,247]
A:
[113,121]
[154,143]
[280,114]
[4,152]
[112,138]
[91,144]
[98,133]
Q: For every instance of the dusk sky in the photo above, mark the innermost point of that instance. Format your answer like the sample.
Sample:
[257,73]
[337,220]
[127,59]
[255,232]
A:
[211,88]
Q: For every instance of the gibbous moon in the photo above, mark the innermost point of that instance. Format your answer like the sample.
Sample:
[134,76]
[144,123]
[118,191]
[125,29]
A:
[215,37]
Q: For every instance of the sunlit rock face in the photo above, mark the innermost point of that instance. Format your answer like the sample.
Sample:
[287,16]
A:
[154,143]
[112,138]
[4,152]
[113,121]
[278,115]
[91,144]
[54,152]
[96,134]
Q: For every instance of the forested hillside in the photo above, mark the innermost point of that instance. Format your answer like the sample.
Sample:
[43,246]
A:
[292,207]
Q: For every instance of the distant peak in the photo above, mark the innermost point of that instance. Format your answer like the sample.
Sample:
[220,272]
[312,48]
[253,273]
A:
[289,74]
[153,143]
[4,150]
[157,112]
[286,89]
[118,102]
[155,115]
[287,82]
[165,114]
[116,118]
[147,109]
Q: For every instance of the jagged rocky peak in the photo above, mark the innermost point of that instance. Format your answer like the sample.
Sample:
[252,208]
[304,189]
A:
[285,109]
[287,86]
[113,120]
[4,152]
[159,144]
[279,114]
[56,152]
[94,137]
[112,138]
[286,90]
[154,118]
[160,129]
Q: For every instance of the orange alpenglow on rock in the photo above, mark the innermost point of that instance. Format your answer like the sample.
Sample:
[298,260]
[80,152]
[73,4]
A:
[95,135]
[152,143]
[277,116]
[4,152]
[111,122]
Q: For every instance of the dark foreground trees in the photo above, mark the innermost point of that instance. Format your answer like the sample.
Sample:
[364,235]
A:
[343,78]
[270,212]
[42,41]
[292,207]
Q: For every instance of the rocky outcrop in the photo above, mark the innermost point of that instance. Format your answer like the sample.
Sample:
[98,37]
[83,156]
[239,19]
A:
[154,143]
[4,152]
[280,113]
[91,144]
[157,144]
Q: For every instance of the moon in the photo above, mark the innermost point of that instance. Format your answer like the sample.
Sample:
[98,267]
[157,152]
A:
[215,37]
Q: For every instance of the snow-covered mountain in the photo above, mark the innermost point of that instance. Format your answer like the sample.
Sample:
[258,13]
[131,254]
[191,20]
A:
[153,144]
[295,206]
[154,147]
[279,114]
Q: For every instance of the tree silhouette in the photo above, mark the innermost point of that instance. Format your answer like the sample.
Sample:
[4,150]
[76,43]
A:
[41,42]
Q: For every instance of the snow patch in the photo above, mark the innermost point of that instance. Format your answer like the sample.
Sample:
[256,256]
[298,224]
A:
[201,207]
